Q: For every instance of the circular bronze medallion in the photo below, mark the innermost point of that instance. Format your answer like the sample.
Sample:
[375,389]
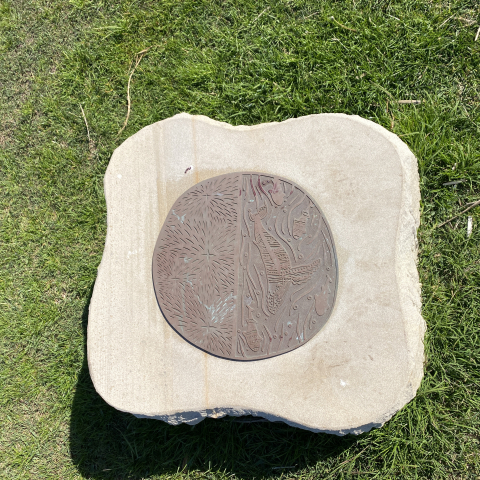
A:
[245,266]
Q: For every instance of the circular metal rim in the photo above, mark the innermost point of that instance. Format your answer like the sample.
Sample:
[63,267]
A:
[264,358]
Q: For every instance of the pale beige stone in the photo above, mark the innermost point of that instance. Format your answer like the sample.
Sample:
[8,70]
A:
[363,366]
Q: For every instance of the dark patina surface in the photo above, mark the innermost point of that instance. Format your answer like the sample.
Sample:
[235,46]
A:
[245,266]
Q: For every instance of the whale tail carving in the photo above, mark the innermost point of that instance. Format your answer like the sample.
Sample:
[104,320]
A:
[295,276]
[302,274]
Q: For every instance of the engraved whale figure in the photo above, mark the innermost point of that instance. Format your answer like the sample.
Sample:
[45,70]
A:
[280,274]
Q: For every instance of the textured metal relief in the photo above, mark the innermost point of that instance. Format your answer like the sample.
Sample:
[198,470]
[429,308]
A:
[245,266]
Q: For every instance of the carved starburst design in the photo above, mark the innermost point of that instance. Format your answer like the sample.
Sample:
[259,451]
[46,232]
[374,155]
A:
[214,200]
[211,257]
[208,326]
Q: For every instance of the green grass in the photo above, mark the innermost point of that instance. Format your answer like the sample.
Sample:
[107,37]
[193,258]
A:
[243,62]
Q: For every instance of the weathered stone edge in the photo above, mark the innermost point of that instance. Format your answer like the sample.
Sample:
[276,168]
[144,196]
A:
[194,417]
[406,265]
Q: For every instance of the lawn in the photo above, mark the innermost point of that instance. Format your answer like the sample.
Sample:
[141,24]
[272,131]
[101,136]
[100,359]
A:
[64,70]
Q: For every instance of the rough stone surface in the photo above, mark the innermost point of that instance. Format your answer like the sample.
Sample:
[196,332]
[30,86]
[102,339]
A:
[367,361]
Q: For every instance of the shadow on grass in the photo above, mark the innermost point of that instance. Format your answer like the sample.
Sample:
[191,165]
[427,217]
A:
[106,443]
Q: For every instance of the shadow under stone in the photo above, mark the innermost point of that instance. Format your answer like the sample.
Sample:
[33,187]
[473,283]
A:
[106,443]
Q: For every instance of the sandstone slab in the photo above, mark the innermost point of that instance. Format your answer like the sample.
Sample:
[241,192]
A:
[363,365]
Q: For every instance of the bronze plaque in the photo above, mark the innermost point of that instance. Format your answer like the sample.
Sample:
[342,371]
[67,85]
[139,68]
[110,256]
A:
[245,266]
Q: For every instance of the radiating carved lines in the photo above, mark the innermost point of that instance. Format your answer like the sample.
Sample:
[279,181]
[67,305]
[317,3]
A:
[195,264]
[204,325]
[216,198]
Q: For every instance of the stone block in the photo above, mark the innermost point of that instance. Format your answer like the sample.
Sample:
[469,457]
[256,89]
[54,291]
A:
[363,365]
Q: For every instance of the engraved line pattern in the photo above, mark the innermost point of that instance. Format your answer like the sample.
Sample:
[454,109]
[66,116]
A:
[278,217]
[195,275]
[251,238]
